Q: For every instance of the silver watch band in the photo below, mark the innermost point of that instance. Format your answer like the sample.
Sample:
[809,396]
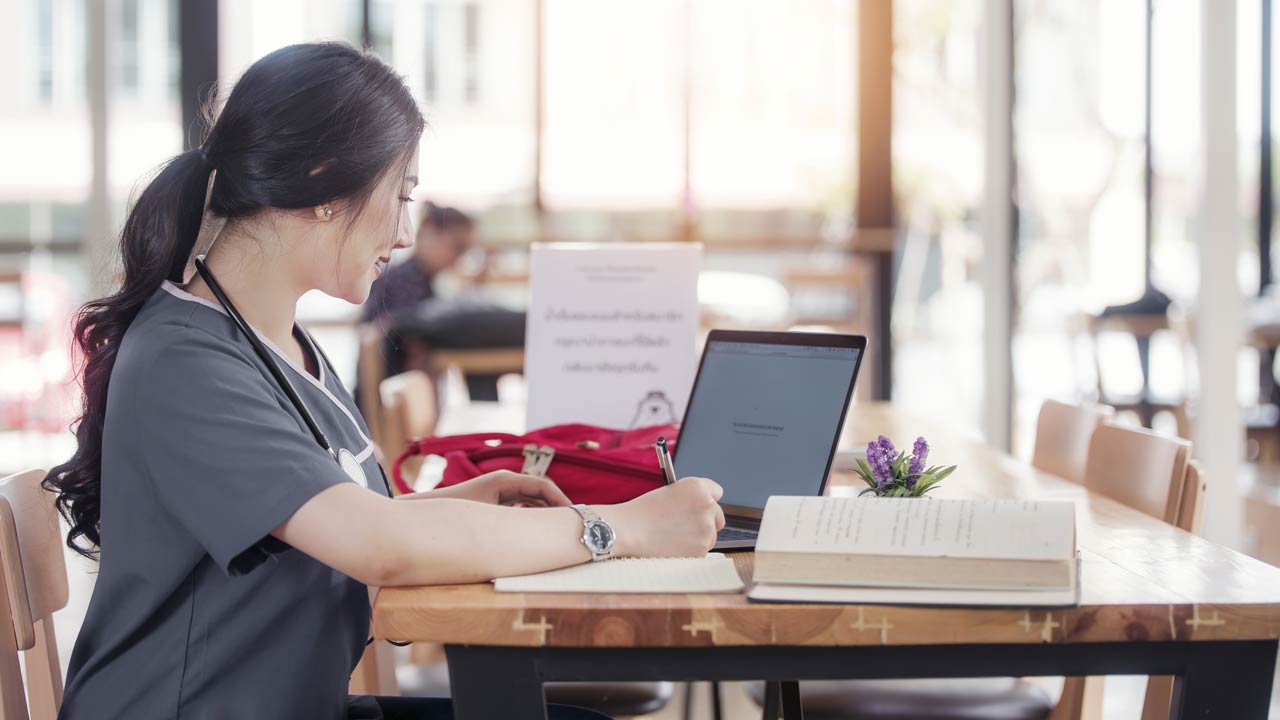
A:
[589,518]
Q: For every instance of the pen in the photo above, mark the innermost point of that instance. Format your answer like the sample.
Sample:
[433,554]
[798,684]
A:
[664,461]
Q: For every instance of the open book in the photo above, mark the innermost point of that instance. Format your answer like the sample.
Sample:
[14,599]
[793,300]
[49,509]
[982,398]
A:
[930,551]
[714,573]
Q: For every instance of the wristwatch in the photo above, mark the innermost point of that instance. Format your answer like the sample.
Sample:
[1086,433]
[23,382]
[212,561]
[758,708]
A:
[597,535]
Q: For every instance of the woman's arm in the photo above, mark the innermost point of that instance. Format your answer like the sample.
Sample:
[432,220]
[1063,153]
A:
[386,542]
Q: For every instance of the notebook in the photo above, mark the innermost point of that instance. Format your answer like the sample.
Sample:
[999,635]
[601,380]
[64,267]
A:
[905,551]
[714,573]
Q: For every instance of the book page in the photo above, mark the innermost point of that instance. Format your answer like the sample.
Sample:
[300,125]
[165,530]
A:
[714,573]
[920,527]
[914,596]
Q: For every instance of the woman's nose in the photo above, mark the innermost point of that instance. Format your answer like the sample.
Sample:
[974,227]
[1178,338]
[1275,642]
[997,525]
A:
[404,230]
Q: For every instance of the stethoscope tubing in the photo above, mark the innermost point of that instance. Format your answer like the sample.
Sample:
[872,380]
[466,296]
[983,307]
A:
[263,354]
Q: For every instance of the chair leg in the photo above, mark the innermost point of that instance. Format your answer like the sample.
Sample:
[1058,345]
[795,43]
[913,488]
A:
[791,709]
[1081,699]
[1159,696]
[716,710]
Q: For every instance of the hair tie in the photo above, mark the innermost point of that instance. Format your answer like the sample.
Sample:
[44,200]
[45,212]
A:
[210,224]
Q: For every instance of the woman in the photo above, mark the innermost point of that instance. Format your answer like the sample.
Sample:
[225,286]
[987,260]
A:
[235,552]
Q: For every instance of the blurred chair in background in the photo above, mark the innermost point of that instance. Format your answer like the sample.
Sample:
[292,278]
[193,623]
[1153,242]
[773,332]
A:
[1063,432]
[1146,403]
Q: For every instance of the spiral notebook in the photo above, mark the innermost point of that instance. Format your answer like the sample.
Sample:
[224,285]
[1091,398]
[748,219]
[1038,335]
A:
[714,573]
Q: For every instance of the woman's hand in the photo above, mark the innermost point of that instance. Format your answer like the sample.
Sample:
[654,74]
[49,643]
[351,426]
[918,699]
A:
[679,520]
[503,487]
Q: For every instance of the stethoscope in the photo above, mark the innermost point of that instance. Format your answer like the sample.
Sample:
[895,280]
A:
[343,457]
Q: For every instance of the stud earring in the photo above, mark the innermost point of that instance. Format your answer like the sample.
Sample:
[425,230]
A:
[328,211]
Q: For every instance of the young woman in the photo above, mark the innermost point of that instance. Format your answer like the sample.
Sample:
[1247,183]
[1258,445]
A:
[235,550]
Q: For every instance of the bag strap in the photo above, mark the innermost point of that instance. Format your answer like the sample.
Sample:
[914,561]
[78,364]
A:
[440,446]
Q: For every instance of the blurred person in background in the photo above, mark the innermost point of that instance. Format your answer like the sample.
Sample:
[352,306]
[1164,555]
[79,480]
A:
[414,320]
[444,235]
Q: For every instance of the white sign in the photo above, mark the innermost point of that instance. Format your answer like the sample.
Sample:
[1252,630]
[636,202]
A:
[612,332]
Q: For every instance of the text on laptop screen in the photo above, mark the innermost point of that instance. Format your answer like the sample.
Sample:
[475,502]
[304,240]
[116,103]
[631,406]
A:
[763,418]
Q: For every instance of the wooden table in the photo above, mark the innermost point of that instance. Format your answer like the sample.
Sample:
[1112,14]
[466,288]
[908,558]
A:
[1155,601]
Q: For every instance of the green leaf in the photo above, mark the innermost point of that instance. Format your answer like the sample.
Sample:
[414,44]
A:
[869,481]
[865,468]
[868,490]
[943,473]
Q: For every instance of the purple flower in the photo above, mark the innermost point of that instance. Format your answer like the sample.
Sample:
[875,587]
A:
[880,456]
[919,453]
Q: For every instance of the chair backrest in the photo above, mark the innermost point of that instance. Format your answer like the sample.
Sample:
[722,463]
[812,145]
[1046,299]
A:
[35,579]
[1194,489]
[409,411]
[13,696]
[1063,432]
[480,361]
[1139,468]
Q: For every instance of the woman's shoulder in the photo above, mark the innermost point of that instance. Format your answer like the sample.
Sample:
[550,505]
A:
[173,338]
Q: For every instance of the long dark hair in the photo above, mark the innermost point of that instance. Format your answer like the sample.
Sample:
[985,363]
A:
[304,126]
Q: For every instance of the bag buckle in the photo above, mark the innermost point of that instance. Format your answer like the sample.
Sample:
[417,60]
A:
[537,459]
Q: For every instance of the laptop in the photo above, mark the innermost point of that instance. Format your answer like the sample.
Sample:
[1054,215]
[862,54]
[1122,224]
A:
[764,419]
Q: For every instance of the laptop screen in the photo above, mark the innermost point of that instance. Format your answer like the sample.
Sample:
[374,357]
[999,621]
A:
[763,419]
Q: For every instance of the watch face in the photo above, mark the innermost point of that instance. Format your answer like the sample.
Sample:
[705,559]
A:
[600,536]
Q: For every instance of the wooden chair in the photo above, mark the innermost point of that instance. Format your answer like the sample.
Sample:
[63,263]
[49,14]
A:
[1063,432]
[1137,467]
[34,574]
[1190,517]
[1142,328]
[479,361]
[409,411]
[405,409]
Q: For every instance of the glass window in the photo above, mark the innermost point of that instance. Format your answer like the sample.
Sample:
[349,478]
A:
[471,65]
[614,104]
[772,103]
[937,168]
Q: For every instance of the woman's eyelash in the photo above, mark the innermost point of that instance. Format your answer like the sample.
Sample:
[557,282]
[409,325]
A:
[404,198]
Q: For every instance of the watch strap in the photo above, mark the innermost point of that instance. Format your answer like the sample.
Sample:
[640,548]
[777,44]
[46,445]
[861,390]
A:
[589,517]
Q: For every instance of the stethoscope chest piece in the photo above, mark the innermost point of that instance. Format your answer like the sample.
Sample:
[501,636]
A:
[352,468]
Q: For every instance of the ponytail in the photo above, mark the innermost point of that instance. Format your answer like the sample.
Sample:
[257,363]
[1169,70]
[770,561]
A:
[155,243]
[305,125]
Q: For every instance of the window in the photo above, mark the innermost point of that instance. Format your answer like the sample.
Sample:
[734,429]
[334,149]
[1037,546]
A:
[471,52]
[471,65]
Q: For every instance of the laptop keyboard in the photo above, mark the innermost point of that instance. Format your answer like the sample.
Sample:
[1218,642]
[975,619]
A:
[732,533]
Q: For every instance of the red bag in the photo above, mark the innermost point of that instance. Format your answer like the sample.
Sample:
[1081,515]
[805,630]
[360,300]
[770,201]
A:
[592,465]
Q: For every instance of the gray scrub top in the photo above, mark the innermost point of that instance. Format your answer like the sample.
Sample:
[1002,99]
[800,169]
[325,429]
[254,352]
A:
[198,612]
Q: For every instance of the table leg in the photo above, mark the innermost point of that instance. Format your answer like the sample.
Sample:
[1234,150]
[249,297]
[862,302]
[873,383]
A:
[791,709]
[884,326]
[492,682]
[772,696]
[1223,682]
